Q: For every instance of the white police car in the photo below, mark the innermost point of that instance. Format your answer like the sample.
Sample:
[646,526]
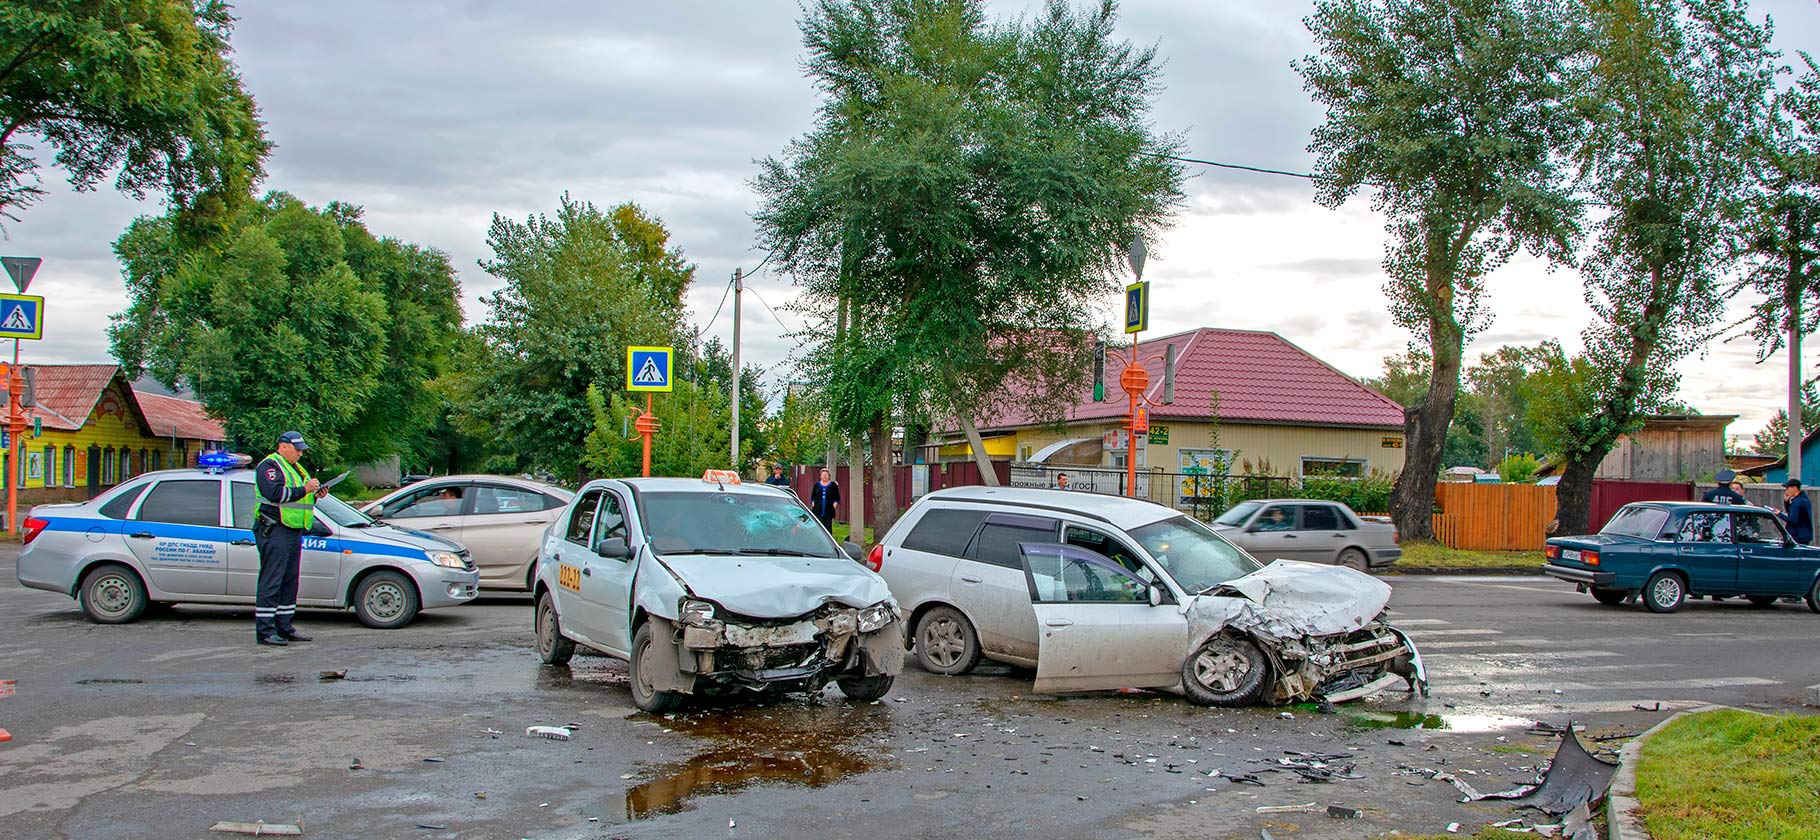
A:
[185,536]
[712,587]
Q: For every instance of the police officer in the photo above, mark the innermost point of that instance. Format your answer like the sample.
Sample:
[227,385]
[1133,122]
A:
[287,509]
[1723,492]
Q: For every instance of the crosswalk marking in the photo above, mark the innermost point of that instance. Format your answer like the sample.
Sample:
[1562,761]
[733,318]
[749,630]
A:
[1417,622]
[1469,631]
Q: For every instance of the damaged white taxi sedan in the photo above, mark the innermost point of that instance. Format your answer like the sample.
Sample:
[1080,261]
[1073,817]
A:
[1103,592]
[712,587]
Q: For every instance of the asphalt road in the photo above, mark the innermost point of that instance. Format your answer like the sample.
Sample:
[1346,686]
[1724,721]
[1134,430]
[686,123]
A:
[163,727]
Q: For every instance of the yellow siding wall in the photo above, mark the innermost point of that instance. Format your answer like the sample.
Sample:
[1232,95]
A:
[1274,450]
[111,426]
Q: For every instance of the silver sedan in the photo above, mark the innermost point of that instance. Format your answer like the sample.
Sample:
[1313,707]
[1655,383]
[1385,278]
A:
[1310,530]
[500,519]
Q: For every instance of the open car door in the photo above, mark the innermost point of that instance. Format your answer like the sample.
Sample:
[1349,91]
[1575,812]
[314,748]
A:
[1099,626]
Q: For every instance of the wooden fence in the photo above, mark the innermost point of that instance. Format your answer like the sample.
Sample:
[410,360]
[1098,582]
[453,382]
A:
[1493,517]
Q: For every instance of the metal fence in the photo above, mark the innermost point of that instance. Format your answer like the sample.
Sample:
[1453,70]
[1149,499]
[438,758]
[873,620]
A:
[1203,495]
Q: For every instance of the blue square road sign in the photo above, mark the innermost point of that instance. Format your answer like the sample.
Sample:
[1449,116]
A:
[21,316]
[648,368]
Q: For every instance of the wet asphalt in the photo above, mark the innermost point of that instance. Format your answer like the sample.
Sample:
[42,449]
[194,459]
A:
[163,727]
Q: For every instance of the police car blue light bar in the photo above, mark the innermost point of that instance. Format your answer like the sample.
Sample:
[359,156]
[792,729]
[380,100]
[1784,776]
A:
[218,460]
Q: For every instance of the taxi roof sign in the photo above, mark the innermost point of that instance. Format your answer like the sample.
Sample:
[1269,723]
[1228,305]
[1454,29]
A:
[720,477]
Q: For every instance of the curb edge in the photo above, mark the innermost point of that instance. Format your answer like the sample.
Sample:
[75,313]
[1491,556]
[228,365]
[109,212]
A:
[1621,821]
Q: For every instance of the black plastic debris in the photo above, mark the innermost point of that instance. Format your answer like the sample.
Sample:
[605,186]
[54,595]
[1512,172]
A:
[1341,812]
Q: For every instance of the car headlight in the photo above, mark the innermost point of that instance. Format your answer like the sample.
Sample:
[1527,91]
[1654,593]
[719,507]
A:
[697,614]
[876,617]
[446,559]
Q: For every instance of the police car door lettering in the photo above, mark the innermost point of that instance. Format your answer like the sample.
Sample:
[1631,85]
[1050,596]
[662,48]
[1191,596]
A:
[316,543]
[183,551]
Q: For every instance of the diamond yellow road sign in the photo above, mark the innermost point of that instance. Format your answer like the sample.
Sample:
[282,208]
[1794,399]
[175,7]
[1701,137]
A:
[649,368]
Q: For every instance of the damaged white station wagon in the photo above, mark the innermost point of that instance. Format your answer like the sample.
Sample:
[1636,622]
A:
[1100,592]
[712,587]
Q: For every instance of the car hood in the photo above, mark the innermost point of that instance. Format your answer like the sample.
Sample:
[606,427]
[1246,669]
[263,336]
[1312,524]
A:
[406,537]
[776,587]
[1287,599]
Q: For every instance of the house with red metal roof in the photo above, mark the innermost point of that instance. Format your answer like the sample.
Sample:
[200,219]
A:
[1241,401]
[95,430]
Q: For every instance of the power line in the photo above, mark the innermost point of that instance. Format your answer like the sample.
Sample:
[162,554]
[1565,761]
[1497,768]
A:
[717,307]
[1239,166]
[769,308]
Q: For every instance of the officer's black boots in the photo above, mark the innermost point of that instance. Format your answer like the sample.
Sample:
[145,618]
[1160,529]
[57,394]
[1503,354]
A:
[295,636]
[270,639]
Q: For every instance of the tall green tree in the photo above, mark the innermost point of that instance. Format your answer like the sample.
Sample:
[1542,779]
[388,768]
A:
[580,286]
[141,88]
[695,423]
[962,206]
[294,318]
[1453,114]
[1675,92]
[1496,383]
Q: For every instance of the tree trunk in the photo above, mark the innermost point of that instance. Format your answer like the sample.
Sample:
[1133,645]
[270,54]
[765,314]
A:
[854,494]
[1573,496]
[988,475]
[884,481]
[1412,502]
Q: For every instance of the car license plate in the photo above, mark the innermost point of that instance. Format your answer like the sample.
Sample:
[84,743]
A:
[568,577]
[1569,554]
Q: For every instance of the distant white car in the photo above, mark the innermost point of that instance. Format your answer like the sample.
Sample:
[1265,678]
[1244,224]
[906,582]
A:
[1102,592]
[500,519]
[712,587]
[1310,531]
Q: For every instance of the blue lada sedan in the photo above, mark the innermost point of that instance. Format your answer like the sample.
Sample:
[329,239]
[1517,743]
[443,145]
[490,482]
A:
[1666,552]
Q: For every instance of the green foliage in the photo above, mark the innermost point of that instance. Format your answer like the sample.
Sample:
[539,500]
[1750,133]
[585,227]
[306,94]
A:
[1564,405]
[1405,377]
[964,203]
[143,88]
[798,431]
[1366,494]
[352,490]
[295,318]
[1772,439]
[1518,468]
[579,288]
[695,425]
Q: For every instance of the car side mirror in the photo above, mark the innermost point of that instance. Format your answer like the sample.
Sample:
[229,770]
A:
[1156,596]
[319,529]
[853,550]
[613,548]
[1252,528]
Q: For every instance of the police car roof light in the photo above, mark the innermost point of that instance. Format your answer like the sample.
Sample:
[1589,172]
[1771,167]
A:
[219,461]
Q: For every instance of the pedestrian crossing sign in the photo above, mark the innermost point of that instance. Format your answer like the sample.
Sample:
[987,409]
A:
[21,316]
[648,368]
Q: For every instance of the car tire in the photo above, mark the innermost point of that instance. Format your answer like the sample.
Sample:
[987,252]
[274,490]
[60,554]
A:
[644,696]
[865,689]
[1355,560]
[112,594]
[1226,671]
[1664,592]
[1813,597]
[1609,597]
[552,646]
[946,642]
[385,600]
[1761,602]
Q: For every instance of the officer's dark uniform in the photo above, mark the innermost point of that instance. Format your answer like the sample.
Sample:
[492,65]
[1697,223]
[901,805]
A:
[278,531]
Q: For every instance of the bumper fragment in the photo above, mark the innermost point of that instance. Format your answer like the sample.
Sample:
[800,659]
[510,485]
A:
[1575,574]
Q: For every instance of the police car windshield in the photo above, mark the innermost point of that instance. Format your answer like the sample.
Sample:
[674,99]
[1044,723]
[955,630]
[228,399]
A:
[733,524]
[340,513]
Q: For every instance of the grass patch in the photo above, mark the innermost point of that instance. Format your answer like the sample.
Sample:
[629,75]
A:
[841,532]
[1732,775]
[1433,555]
[1517,749]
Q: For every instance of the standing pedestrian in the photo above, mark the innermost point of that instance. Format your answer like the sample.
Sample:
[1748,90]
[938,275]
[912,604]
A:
[1723,492]
[287,509]
[1797,512]
[824,500]
[777,478]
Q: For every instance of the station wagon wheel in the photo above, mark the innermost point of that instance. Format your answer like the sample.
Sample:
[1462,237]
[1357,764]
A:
[1609,597]
[946,642]
[1227,671]
[112,594]
[1354,559]
[385,600]
[552,646]
[1664,592]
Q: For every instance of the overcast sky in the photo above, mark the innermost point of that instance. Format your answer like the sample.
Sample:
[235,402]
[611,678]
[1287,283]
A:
[434,123]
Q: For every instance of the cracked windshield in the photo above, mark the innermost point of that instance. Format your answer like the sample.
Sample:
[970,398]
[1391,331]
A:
[733,523]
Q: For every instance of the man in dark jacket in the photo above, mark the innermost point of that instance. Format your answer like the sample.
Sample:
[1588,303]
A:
[1797,512]
[1723,493]
[777,479]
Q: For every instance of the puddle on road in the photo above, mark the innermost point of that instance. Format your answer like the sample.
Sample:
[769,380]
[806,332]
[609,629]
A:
[275,679]
[1368,719]
[613,674]
[790,743]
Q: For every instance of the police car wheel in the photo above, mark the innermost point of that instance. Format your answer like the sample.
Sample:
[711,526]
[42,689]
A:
[112,594]
[644,695]
[552,646]
[385,600]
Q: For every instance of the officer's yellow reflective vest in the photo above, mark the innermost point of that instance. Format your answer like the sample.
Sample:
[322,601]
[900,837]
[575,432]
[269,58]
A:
[299,514]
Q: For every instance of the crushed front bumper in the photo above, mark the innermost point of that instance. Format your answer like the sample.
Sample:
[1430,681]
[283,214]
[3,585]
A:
[805,653]
[1358,664]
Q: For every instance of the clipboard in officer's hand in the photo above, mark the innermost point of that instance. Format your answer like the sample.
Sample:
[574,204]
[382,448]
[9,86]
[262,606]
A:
[333,481]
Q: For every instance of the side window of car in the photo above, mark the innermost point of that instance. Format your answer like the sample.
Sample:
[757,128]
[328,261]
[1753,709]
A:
[1755,528]
[1109,547]
[492,498]
[997,542]
[611,521]
[430,501]
[1705,527]
[194,502]
[117,507]
[581,519]
[1276,518]
[1320,518]
[243,497]
[944,531]
[1071,574]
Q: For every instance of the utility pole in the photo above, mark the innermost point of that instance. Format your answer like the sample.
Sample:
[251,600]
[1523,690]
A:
[739,285]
